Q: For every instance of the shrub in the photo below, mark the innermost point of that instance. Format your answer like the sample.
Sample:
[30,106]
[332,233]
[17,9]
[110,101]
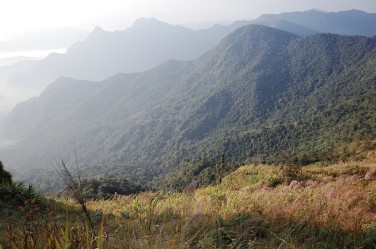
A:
[369,240]
[17,194]
[291,172]
[273,182]
[5,176]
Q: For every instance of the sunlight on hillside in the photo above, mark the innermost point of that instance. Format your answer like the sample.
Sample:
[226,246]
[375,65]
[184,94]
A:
[331,205]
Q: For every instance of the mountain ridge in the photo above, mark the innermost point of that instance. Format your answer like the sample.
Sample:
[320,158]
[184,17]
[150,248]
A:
[348,22]
[106,53]
[261,92]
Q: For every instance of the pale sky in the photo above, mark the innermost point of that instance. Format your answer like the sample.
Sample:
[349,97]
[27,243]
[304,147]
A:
[24,16]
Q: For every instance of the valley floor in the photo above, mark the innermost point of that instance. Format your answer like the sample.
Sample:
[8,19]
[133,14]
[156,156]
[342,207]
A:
[257,206]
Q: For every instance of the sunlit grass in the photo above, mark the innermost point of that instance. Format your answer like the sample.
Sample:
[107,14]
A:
[330,206]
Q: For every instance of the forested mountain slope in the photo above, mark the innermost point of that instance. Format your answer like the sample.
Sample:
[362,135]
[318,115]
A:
[261,92]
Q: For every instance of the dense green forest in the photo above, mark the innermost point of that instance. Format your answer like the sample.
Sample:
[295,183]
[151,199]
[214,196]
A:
[104,188]
[261,95]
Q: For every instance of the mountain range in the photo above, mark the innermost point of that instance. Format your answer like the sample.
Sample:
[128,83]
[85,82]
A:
[350,22]
[260,93]
[150,42]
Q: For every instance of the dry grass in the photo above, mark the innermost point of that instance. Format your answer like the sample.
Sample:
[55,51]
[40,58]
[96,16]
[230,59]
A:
[332,207]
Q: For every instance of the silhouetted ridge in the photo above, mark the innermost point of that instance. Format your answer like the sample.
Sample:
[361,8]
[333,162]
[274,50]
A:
[149,22]
[352,22]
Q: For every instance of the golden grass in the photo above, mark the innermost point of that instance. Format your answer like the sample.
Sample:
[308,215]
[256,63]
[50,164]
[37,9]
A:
[333,206]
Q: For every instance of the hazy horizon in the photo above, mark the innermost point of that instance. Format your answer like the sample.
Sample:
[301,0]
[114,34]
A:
[43,15]
[57,35]
[43,21]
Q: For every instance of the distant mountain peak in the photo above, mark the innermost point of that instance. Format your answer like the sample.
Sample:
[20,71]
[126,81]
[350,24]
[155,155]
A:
[318,10]
[356,11]
[98,29]
[146,22]
[253,29]
[347,22]
[97,32]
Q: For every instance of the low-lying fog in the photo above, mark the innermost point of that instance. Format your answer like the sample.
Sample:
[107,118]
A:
[6,143]
[9,97]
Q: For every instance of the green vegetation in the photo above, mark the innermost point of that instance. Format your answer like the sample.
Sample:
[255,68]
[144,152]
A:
[105,188]
[15,198]
[260,94]
[5,176]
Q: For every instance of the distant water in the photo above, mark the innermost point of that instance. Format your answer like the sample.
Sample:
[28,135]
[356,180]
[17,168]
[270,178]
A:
[7,143]
[36,54]
[10,58]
